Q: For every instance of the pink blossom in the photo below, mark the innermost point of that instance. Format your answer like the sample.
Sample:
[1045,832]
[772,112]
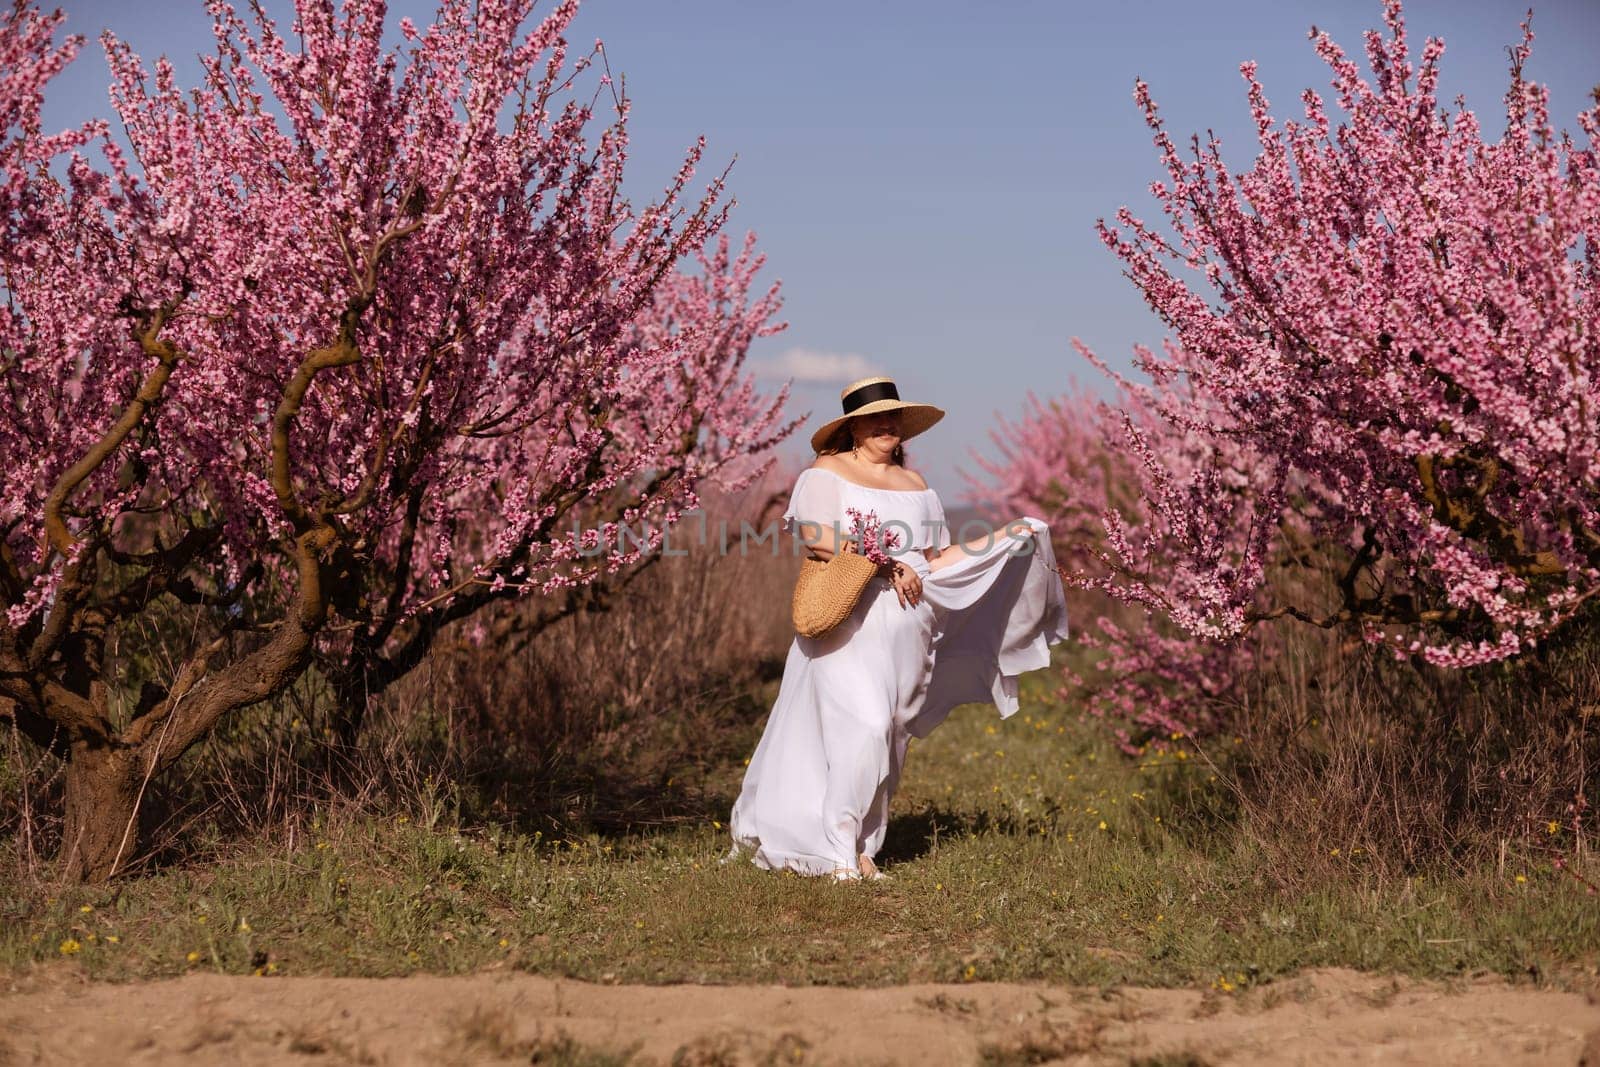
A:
[876,543]
[1382,375]
[342,345]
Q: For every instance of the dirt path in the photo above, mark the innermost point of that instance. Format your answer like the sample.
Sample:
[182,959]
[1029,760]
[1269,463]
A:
[1320,1017]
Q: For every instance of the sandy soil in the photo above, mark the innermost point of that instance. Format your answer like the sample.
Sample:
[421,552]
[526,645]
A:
[1320,1017]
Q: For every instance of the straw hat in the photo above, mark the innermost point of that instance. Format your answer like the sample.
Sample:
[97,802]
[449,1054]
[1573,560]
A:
[869,396]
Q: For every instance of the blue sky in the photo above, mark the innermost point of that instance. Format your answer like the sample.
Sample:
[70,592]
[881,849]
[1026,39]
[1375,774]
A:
[925,175]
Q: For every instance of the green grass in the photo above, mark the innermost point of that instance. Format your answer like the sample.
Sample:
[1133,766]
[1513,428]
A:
[1027,849]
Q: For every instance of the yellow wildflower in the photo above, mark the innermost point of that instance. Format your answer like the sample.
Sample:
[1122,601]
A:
[86,908]
[1552,826]
[70,947]
[193,957]
[1522,879]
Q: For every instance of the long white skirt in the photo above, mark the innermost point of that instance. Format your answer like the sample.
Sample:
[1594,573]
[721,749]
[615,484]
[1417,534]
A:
[817,792]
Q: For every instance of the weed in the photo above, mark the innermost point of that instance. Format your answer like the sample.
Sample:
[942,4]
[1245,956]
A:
[708,1050]
[491,1033]
[945,1003]
[1043,1042]
[562,1051]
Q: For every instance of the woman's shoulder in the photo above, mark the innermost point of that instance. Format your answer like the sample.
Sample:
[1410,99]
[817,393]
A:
[829,465]
[837,466]
[829,462]
[806,473]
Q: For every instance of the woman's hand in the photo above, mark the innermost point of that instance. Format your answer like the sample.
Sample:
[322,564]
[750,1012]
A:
[1021,529]
[907,584]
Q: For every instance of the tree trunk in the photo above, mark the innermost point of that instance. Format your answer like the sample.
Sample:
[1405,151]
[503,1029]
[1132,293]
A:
[348,681]
[101,834]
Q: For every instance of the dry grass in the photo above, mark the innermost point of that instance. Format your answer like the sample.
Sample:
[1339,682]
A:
[1402,764]
[607,721]
[1409,765]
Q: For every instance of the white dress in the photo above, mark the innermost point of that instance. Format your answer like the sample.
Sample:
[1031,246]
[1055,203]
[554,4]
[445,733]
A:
[816,794]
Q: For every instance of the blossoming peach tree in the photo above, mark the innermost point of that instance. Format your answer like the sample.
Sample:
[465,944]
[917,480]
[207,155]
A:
[1383,364]
[330,352]
[1085,465]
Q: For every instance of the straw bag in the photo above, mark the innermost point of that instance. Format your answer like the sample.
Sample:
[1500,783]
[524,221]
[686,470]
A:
[826,592]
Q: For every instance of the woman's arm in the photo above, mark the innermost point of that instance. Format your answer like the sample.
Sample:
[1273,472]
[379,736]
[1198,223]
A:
[815,510]
[938,559]
[821,541]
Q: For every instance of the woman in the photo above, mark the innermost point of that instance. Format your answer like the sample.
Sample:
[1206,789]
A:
[941,625]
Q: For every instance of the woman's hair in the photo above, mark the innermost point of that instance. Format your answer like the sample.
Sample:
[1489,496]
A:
[842,440]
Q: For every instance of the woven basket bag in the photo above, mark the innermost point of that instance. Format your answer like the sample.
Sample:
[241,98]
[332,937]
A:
[826,592]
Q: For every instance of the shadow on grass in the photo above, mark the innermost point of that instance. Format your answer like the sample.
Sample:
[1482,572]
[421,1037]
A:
[913,835]
[1198,816]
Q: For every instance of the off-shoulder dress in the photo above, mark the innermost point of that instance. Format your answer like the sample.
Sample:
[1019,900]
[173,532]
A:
[816,794]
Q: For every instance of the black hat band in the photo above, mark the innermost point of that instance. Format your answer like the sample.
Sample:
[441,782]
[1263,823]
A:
[867,394]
